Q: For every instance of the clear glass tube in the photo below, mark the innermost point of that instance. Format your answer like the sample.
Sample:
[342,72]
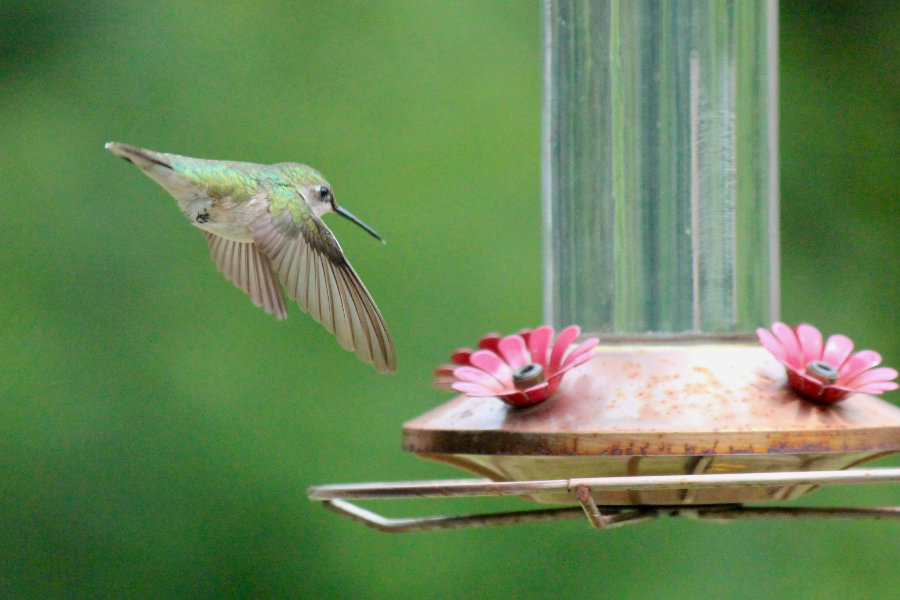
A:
[660,178]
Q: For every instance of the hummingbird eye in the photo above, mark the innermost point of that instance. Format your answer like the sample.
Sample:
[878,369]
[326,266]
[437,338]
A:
[324,191]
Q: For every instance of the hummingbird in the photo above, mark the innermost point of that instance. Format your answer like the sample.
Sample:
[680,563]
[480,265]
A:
[264,227]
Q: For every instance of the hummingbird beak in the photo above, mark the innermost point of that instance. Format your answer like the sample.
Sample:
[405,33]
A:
[348,215]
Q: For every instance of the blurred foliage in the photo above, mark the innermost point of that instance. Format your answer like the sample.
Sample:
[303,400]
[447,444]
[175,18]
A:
[158,432]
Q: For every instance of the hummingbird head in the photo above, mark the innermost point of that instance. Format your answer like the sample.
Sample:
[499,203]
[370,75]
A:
[320,197]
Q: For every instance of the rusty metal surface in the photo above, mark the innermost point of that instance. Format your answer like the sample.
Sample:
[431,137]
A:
[662,400]
[657,410]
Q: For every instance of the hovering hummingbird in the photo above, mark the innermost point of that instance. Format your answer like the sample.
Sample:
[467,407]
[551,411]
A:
[264,225]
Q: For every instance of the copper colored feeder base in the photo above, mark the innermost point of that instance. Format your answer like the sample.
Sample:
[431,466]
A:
[661,410]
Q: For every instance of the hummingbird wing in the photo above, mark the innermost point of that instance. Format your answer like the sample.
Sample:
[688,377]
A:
[246,267]
[311,265]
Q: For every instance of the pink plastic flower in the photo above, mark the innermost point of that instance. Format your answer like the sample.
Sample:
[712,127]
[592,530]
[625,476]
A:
[521,369]
[443,375]
[829,372]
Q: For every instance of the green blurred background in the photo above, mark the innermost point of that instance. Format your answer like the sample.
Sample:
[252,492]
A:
[158,432]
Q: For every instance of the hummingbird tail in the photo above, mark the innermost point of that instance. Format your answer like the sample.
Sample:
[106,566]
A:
[137,156]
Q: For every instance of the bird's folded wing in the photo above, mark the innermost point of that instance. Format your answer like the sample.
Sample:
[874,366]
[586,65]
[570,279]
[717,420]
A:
[315,273]
[246,267]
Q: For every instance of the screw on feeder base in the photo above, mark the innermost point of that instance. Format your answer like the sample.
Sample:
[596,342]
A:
[822,371]
[528,376]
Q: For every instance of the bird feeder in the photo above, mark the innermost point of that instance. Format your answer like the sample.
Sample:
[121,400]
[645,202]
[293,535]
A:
[660,216]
